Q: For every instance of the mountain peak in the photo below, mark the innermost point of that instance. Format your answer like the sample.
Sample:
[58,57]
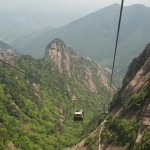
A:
[61,54]
[136,80]
[57,41]
[68,62]
[114,5]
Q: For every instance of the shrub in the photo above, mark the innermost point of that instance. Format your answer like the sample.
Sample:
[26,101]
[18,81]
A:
[120,131]
[136,101]
[89,142]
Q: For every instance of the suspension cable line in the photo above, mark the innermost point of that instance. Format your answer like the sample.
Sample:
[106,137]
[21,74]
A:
[116,45]
[35,79]
[120,16]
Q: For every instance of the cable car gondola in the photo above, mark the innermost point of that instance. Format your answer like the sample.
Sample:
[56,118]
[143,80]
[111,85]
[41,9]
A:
[78,115]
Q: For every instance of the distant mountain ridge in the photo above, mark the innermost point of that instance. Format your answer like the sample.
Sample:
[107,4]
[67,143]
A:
[94,35]
[5,46]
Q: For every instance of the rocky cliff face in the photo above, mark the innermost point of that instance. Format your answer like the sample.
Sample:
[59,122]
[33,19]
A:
[136,79]
[128,124]
[138,74]
[133,102]
[61,55]
[7,54]
[75,66]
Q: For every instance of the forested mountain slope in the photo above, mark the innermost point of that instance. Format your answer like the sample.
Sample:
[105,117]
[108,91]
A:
[127,127]
[94,35]
[34,115]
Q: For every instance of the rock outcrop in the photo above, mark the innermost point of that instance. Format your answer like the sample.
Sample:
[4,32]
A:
[61,55]
[73,65]
[7,54]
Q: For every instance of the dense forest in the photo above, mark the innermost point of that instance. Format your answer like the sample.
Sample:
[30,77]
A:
[36,114]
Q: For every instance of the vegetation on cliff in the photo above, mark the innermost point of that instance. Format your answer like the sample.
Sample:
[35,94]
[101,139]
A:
[40,116]
[129,122]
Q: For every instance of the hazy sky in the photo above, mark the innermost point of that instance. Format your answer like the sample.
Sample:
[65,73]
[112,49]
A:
[65,6]
[62,11]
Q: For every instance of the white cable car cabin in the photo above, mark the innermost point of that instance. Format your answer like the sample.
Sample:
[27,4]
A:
[78,115]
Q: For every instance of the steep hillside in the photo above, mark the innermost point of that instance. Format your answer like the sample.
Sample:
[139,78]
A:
[136,79]
[94,35]
[34,115]
[130,124]
[127,127]
[82,69]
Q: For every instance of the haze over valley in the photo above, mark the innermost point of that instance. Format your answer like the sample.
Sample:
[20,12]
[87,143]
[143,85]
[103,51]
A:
[93,35]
